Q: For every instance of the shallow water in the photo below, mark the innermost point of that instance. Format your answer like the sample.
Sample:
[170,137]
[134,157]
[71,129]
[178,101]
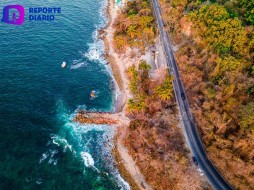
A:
[41,148]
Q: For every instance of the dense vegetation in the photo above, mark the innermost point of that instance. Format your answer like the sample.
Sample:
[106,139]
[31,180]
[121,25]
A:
[153,138]
[215,53]
[148,97]
[215,42]
[134,27]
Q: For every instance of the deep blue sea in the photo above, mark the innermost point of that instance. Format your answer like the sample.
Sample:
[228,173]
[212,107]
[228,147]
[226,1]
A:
[40,146]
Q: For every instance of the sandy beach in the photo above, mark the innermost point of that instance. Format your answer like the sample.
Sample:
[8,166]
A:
[118,64]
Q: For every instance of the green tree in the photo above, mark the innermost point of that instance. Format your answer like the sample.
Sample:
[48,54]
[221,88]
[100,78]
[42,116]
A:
[222,33]
[134,79]
[136,105]
[247,116]
[243,8]
[252,70]
[165,90]
[144,70]
[145,21]
[228,63]
[132,31]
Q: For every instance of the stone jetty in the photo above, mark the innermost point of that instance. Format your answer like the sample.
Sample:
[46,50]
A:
[98,118]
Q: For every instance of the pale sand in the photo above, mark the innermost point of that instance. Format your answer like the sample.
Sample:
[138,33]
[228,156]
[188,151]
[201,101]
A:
[119,64]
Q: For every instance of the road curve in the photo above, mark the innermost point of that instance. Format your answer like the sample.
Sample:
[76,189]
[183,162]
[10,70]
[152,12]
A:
[196,146]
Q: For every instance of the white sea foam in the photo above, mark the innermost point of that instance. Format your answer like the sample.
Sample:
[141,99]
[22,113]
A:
[105,144]
[52,155]
[61,142]
[55,145]
[39,181]
[122,183]
[85,143]
[80,132]
[44,156]
[87,158]
[81,107]
[96,49]
[78,65]
[29,178]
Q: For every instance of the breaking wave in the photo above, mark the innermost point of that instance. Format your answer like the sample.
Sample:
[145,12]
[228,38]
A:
[90,144]
[96,50]
[78,64]
[88,159]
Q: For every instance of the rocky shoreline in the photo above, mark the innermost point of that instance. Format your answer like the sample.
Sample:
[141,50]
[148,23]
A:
[118,64]
[125,162]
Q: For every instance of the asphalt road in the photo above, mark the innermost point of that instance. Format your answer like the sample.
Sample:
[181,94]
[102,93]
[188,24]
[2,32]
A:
[196,146]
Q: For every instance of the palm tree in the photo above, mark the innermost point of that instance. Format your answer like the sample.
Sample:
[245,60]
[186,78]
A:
[132,31]
[144,69]
[144,21]
[247,116]
[136,106]
[165,90]
[134,79]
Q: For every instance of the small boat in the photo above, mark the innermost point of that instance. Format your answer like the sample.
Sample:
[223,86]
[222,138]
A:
[92,94]
[64,64]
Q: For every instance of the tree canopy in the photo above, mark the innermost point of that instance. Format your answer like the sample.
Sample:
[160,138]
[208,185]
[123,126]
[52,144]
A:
[135,26]
[222,33]
[247,116]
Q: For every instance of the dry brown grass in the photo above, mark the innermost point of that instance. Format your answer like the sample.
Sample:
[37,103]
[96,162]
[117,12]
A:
[229,147]
[157,145]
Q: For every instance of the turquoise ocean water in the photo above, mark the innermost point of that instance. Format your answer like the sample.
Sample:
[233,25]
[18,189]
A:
[41,148]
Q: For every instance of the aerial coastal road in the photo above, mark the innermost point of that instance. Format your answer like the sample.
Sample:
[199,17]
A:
[196,146]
